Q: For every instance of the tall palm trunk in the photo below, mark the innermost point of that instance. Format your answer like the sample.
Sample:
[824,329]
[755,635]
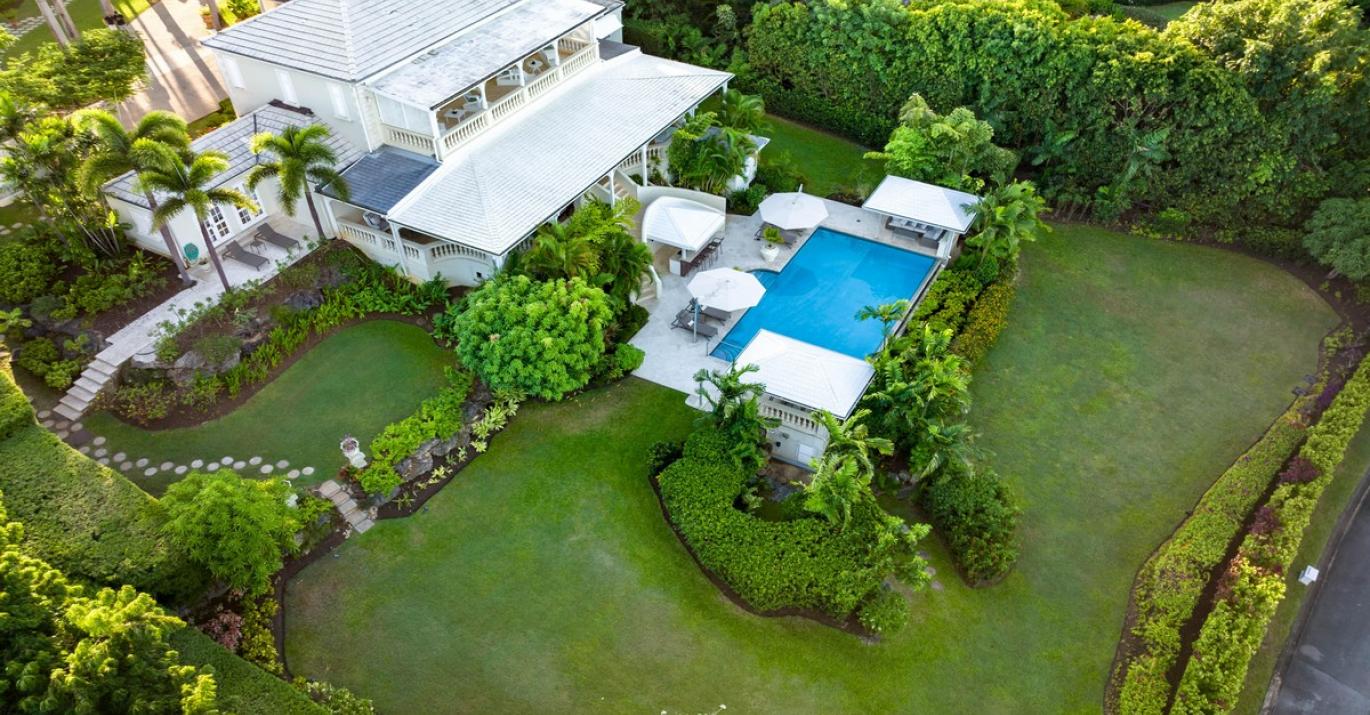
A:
[214,255]
[175,251]
[214,14]
[107,9]
[50,17]
[313,212]
[60,7]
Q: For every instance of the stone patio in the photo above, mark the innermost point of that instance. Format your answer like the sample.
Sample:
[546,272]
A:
[674,355]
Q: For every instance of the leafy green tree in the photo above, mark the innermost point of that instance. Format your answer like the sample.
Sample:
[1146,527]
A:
[595,244]
[743,112]
[188,182]
[735,411]
[1006,218]
[704,154]
[539,338]
[843,474]
[919,397]
[61,651]
[236,528]
[116,153]
[1338,235]
[956,150]
[558,252]
[104,66]
[1306,63]
[298,158]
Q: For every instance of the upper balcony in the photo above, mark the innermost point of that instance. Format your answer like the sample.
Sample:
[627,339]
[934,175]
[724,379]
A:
[444,99]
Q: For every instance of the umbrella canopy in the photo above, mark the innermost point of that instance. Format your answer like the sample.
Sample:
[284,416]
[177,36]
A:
[727,289]
[794,210]
[681,223]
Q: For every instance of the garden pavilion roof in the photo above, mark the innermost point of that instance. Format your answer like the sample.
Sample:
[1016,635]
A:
[806,374]
[924,203]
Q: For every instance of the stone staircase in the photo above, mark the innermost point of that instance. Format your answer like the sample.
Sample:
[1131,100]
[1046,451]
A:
[94,379]
[621,192]
[355,516]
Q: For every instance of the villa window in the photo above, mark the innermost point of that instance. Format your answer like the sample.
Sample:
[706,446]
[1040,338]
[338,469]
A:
[287,83]
[245,215]
[339,97]
[216,223]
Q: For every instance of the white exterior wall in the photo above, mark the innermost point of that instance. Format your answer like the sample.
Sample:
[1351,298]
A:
[260,84]
[185,229]
[798,440]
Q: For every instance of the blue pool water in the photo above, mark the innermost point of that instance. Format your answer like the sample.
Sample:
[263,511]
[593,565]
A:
[817,296]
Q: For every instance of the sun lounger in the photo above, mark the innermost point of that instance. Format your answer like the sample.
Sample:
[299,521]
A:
[244,256]
[714,313]
[685,321]
[276,238]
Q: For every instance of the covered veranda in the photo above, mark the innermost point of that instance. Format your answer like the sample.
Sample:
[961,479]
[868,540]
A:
[930,217]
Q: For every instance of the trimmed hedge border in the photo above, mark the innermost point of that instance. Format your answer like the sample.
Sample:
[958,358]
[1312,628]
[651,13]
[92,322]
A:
[1253,585]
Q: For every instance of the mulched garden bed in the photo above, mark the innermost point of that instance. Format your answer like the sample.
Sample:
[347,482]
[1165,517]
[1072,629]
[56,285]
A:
[115,319]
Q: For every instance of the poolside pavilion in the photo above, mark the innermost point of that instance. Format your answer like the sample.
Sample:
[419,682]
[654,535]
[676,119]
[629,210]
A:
[930,216]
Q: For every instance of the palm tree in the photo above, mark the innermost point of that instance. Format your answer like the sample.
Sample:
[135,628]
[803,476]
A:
[216,17]
[14,117]
[743,112]
[735,411]
[115,154]
[558,252]
[302,156]
[625,260]
[888,314]
[835,487]
[187,180]
[1005,218]
[851,440]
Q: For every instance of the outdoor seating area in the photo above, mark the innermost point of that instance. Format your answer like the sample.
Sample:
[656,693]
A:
[253,253]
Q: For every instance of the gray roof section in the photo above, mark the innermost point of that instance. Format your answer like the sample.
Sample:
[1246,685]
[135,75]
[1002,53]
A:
[380,179]
[234,139]
[351,39]
[481,51]
[512,179]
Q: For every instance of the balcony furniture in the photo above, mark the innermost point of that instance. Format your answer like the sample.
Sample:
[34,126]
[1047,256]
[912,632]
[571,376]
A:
[266,233]
[244,256]
[721,316]
[685,320]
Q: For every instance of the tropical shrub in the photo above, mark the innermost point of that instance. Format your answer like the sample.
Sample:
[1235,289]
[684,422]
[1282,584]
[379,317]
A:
[258,643]
[542,339]
[949,299]
[919,398]
[804,563]
[103,65]
[986,319]
[337,699]
[735,413]
[977,515]
[242,687]
[144,403]
[956,150]
[1338,235]
[884,613]
[438,417]
[97,291]
[237,529]
[27,268]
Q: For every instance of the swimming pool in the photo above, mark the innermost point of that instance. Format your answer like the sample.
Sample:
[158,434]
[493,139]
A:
[817,296]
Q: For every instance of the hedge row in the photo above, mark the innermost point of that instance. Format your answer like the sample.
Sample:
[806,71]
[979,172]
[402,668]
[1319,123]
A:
[438,417]
[803,563]
[1253,586]
[1171,583]
[244,689]
[15,411]
[83,518]
[985,321]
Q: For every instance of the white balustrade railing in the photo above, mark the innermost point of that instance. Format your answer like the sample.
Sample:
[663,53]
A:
[449,250]
[789,417]
[409,139]
[364,236]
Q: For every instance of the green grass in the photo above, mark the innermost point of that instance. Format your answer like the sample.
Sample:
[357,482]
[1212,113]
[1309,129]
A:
[215,119]
[243,688]
[829,163]
[85,13]
[355,382]
[544,579]
[1334,501]
[1158,15]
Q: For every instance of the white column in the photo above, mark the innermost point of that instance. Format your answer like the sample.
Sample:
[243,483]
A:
[646,170]
[484,100]
[523,78]
[613,195]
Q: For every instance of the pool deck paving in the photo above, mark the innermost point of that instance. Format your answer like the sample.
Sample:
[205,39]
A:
[674,355]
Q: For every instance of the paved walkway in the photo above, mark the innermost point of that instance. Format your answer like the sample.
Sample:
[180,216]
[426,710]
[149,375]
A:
[182,76]
[1329,667]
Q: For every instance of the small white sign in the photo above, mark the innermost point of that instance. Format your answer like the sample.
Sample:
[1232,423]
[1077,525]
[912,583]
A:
[1309,575]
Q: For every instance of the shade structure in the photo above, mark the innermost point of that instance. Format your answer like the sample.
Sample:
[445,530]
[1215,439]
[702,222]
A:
[805,374]
[726,289]
[681,223]
[793,211]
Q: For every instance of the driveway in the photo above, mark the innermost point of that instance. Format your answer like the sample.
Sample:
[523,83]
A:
[182,76]
[1329,667]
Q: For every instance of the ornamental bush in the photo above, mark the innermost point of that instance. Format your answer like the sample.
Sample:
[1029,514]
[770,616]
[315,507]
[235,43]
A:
[977,515]
[986,319]
[803,563]
[539,338]
[28,267]
[885,613]
[438,417]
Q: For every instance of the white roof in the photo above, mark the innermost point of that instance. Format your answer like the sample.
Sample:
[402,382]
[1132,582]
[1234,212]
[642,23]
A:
[483,50]
[806,374]
[681,222]
[516,176]
[924,203]
[351,39]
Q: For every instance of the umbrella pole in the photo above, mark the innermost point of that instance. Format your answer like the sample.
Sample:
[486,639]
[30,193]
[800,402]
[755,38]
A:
[696,320]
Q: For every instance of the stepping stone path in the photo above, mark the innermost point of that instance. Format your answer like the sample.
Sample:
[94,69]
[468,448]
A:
[352,513]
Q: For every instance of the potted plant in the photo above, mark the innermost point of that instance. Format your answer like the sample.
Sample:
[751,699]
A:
[770,250]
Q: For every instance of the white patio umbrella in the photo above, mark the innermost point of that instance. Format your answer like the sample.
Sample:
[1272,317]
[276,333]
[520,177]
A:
[792,211]
[727,289]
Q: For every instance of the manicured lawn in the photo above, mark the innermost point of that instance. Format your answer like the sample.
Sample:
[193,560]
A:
[356,382]
[544,579]
[829,163]
[1158,15]
[85,13]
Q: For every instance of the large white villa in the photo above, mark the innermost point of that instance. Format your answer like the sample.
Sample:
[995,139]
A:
[462,125]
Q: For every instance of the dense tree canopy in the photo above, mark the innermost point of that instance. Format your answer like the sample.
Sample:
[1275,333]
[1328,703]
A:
[1338,235]
[104,66]
[539,338]
[955,150]
[236,528]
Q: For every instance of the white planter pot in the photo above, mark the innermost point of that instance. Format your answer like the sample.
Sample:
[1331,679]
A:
[770,252]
